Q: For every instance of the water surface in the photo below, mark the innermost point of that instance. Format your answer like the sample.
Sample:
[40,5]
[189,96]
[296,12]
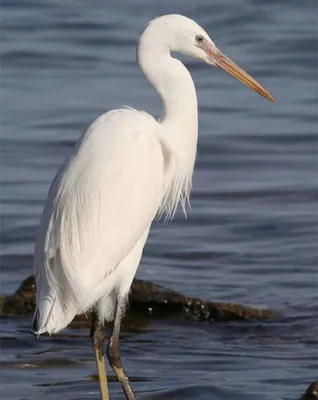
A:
[251,235]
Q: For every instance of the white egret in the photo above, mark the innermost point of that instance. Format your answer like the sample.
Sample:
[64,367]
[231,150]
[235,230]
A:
[126,169]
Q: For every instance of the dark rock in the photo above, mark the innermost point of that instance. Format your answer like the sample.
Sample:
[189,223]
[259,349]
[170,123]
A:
[148,300]
[311,393]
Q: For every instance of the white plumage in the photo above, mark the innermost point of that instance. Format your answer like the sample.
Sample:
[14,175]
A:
[97,217]
[125,170]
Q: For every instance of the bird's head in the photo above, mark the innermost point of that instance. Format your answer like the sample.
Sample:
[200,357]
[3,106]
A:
[183,35]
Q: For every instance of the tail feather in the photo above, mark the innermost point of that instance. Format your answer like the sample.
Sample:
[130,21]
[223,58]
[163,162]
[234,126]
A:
[51,316]
[35,322]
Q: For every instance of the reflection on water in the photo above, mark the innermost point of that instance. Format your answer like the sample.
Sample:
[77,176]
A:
[251,234]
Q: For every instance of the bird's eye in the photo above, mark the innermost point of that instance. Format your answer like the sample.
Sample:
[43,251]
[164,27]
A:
[199,38]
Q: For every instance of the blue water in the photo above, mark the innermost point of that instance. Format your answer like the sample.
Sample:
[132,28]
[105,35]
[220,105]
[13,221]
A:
[251,235]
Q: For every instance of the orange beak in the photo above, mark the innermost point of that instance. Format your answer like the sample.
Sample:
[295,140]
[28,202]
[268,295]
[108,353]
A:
[221,61]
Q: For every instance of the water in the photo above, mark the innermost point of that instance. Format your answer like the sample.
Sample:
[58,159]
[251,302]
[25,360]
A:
[251,235]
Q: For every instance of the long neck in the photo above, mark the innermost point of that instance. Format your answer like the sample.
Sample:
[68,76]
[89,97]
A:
[175,86]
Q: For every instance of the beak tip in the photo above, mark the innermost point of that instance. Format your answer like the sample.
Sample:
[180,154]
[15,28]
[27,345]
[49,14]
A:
[265,93]
[272,99]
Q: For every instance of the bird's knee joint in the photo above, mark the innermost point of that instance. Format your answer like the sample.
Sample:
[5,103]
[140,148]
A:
[114,356]
[98,342]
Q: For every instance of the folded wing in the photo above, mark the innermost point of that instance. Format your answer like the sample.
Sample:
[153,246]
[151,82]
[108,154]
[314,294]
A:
[100,203]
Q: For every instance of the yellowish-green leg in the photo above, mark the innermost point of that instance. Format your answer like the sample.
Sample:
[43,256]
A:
[114,354]
[97,336]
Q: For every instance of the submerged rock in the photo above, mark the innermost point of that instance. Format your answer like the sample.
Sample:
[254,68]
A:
[148,300]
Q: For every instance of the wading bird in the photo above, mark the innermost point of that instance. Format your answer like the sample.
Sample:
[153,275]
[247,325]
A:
[124,171]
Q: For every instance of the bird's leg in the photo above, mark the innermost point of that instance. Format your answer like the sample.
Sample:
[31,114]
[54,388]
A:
[113,353]
[97,336]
